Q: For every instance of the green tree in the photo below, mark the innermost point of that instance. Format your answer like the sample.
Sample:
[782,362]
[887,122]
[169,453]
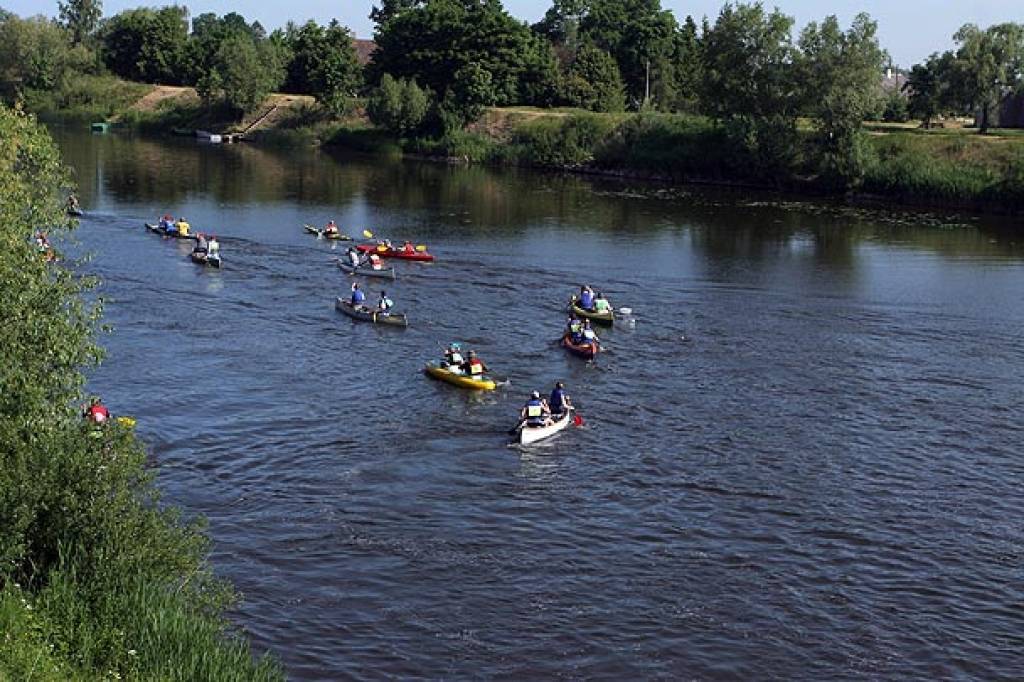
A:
[928,88]
[433,40]
[593,81]
[471,90]
[81,17]
[322,62]
[401,106]
[841,72]
[146,44]
[988,64]
[36,54]
[248,72]
[749,86]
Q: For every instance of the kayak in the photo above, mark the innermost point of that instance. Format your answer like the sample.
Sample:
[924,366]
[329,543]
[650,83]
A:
[204,259]
[532,434]
[601,318]
[388,273]
[318,231]
[422,256]
[583,350]
[460,380]
[164,233]
[396,319]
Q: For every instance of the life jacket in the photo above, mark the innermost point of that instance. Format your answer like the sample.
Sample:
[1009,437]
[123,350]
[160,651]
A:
[475,366]
[589,335]
[183,228]
[99,414]
[358,297]
[455,358]
[535,412]
[385,304]
[601,305]
[214,246]
[575,327]
[586,300]
[408,249]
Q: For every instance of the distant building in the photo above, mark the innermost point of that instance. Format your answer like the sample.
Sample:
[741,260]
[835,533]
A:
[893,82]
[364,49]
[1009,113]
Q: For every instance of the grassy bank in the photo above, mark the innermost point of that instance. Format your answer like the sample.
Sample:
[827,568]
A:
[954,168]
[98,579]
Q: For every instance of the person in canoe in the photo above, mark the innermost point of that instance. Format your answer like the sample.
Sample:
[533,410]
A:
[330,228]
[73,206]
[588,335]
[535,412]
[96,412]
[166,223]
[473,366]
[601,304]
[213,247]
[586,298]
[358,297]
[202,246]
[384,304]
[453,359]
[182,227]
[354,259]
[375,261]
[559,402]
[574,328]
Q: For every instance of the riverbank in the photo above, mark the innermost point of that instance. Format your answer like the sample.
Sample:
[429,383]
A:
[98,580]
[956,169]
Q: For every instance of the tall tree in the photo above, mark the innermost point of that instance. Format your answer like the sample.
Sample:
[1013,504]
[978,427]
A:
[988,64]
[81,17]
[146,44]
[928,88]
[433,40]
[592,81]
[840,73]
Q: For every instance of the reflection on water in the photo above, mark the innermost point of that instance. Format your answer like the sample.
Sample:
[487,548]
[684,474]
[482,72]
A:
[820,481]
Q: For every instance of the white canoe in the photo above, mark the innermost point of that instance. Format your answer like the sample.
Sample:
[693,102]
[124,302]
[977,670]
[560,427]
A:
[532,434]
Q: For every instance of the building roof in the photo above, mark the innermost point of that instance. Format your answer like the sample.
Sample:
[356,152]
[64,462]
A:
[364,48]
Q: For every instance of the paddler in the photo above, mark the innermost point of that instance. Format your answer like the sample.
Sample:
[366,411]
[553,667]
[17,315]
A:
[384,304]
[96,412]
[358,297]
[474,366]
[375,261]
[559,401]
[213,248]
[183,227]
[453,358]
[202,246]
[586,297]
[167,223]
[601,304]
[354,258]
[535,412]
[575,329]
[331,228]
[408,248]
[589,335]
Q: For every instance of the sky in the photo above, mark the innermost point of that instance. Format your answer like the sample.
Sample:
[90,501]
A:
[909,29]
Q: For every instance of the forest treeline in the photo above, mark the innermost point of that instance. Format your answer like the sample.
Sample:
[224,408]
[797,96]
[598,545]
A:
[790,102]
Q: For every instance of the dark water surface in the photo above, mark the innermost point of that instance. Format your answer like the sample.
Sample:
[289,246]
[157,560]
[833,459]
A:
[804,462]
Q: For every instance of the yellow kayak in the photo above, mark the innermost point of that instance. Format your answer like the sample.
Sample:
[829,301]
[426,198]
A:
[460,380]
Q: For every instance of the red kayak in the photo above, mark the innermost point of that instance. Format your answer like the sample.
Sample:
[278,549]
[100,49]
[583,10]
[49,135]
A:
[584,350]
[396,253]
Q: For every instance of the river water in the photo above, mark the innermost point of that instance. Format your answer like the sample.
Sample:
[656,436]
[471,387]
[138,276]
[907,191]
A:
[803,462]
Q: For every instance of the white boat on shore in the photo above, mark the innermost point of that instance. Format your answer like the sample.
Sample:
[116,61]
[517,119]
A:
[212,138]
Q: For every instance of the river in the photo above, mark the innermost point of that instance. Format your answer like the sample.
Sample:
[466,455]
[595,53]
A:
[803,462]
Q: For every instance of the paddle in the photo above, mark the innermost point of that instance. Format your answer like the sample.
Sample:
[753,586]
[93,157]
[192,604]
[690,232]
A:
[368,234]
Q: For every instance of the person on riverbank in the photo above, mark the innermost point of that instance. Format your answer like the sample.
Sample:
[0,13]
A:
[183,227]
[559,402]
[41,241]
[73,205]
[358,297]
